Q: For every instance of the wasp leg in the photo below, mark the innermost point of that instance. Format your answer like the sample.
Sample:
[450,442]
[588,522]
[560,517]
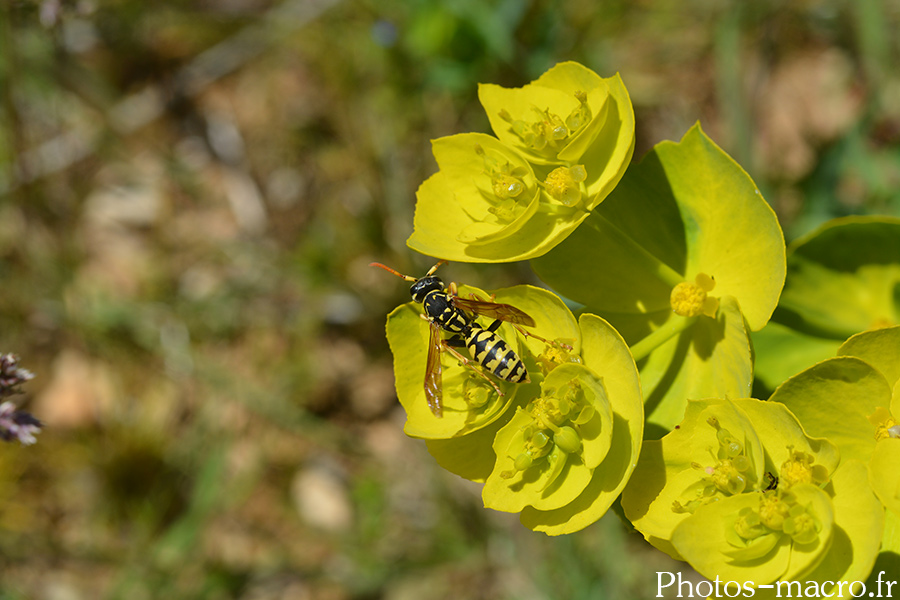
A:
[528,334]
[446,345]
[475,296]
[435,268]
[496,324]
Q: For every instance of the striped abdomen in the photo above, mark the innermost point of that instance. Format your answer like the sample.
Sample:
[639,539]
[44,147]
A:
[491,352]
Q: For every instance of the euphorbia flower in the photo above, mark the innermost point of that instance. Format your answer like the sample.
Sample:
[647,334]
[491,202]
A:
[679,257]
[516,196]
[739,491]
[854,400]
[577,426]
[591,416]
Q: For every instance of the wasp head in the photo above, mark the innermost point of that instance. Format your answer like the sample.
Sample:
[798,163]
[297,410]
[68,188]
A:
[422,287]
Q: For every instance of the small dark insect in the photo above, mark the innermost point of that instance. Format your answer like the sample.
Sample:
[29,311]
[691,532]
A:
[773,482]
[446,311]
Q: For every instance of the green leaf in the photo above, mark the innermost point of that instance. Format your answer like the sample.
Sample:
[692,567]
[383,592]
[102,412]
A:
[858,527]
[712,358]
[781,434]
[833,292]
[884,476]
[833,400]
[612,119]
[781,352]
[689,207]
[703,541]
[470,456]
[880,348]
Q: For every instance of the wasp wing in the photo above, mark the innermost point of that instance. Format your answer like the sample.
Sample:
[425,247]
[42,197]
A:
[494,310]
[433,393]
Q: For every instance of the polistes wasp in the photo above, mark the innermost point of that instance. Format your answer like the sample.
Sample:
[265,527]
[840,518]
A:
[445,310]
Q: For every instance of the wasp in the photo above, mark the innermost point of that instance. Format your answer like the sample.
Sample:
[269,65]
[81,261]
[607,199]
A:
[446,311]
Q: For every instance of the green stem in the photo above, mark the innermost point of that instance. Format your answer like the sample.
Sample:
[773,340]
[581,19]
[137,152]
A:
[664,272]
[657,338]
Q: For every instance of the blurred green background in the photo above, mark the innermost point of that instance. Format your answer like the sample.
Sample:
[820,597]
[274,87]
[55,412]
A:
[190,194]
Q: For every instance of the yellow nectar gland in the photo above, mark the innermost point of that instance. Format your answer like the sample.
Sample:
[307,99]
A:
[691,298]
[550,130]
[778,511]
[555,355]
[730,473]
[506,180]
[554,423]
[748,524]
[800,468]
[802,526]
[886,425]
[774,508]
[563,184]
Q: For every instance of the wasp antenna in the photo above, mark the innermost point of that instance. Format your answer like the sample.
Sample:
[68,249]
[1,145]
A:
[390,270]
[435,268]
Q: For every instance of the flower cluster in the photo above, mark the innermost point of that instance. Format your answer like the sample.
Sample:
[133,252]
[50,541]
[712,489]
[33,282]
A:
[562,143]
[558,449]
[678,265]
[12,375]
[15,424]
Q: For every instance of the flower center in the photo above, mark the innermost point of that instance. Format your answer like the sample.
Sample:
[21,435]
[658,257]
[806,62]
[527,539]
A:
[555,419]
[730,474]
[563,184]
[506,179]
[556,354]
[800,468]
[886,425]
[550,131]
[476,392]
[778,511]
[691,298]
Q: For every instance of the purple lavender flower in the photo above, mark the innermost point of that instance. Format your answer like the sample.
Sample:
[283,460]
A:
[12,375]
[15,424]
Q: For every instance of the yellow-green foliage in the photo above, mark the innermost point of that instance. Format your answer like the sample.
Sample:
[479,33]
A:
[675,261]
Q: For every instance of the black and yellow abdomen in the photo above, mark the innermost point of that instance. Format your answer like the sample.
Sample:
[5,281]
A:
[490,351]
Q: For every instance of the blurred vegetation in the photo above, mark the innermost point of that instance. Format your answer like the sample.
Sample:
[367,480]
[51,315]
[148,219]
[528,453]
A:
[190,194]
